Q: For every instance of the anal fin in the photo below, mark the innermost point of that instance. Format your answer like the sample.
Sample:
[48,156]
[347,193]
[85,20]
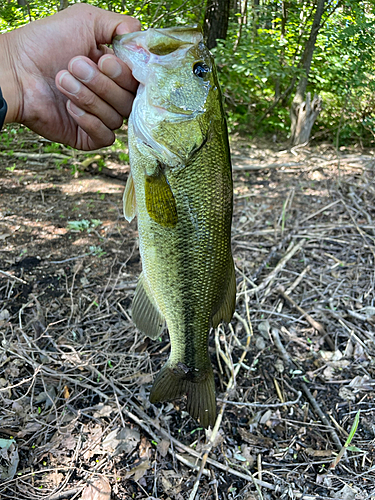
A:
[145,312]
[228,305]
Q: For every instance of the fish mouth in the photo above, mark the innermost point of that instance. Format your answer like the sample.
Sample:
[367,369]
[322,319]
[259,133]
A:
[180,116]
[181,34]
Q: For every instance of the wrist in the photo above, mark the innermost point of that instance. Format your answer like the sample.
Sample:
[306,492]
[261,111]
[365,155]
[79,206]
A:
[9,83]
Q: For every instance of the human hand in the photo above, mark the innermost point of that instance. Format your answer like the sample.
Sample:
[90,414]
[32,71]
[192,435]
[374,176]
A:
[60,81]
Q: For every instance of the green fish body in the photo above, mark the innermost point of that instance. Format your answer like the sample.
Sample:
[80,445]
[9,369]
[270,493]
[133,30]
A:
[181,190]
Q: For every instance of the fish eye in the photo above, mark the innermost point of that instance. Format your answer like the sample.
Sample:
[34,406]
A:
[200,69]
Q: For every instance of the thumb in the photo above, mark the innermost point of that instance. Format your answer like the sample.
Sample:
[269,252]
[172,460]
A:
[123,27]
[108,24]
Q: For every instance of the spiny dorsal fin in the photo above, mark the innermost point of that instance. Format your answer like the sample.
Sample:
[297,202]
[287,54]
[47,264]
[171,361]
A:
[160,202]
[129,201]
[145,313]
[227,307]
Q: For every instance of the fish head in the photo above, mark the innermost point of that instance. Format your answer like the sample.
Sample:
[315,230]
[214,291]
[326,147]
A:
[178,95]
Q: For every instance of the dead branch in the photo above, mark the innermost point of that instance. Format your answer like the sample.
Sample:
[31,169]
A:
[306,390]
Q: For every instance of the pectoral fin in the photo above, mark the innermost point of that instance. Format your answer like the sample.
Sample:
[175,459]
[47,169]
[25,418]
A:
[160,202]
[145,312]
[226,310]
[129,201]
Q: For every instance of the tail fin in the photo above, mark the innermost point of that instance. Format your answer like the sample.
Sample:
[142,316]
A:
[174,382]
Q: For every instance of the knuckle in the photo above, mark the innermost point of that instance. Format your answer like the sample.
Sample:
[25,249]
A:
[82,8]
[88,100]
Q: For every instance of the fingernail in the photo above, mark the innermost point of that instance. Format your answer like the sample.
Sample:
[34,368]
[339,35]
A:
[110,67]
[82,70]
[75,109]
[69,83]
[128,26]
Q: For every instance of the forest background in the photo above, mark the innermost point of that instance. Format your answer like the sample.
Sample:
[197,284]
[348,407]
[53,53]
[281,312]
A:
[270,55]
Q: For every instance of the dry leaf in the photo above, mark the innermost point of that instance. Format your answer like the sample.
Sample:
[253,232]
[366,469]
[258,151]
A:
[331,355]
[47,397]
[260,343]
[347,493]
[98,490]
[121,440]
[4,315]
[328,373]
[167,485]
[138,471]
[69,441]
[362,383]
[56,478]
[102,410]
[360,353]
[369,311]
[171,483]
[260,442]
[66,392]
[346,393]
[8,458]
[218,439]
[279,365]
[265,417]
[264,329]
[144,448]
[31,428]
[94,436]
[246,451]
[163,447]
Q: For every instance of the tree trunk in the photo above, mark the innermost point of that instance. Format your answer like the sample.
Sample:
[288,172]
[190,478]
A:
[300,108]
[255,23]
[216,21]
[282,50]
[242,20]
[303,118]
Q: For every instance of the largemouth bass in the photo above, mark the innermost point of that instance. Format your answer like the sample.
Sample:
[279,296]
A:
[180,188]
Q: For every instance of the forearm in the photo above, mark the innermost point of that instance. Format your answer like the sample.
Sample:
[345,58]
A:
[8,80]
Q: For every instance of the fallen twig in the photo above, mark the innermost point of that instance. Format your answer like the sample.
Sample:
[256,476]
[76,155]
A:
[10,276]
[259,405]
[363,235]
[315,324]
[239,166]
[306,390]
[293,249]
[145,418]
[37,156]
[231,384]
[320,211]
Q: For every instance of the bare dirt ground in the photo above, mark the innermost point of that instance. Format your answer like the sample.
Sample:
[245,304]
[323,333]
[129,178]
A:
[292,369]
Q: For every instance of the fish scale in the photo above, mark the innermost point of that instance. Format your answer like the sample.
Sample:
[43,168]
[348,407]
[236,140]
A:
[181,191]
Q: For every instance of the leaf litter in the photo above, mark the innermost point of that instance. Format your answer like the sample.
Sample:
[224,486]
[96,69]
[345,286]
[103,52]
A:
[292,369]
